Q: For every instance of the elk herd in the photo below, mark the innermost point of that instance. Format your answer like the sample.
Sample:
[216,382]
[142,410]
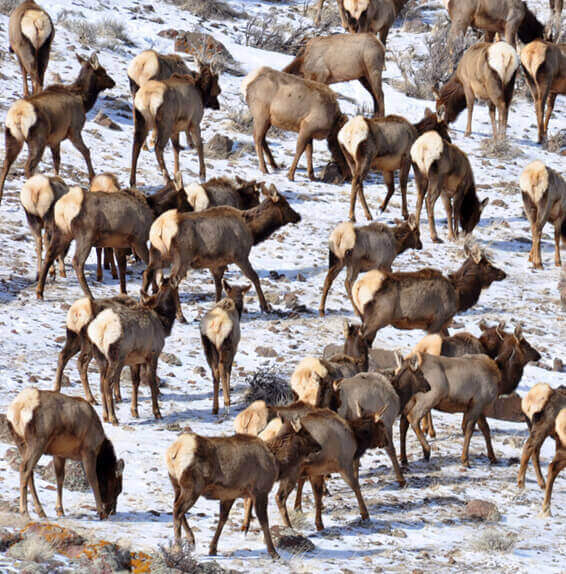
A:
[348,399]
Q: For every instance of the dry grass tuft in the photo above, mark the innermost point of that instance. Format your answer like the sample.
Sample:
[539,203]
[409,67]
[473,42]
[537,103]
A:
[32,549]
[493,540]
[267,385]
[500,148]
[6,6]
[268,34]
[208,9]
[556,143]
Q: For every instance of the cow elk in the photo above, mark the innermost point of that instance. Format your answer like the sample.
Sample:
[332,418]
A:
[558,462]
[544,200]
[47,422]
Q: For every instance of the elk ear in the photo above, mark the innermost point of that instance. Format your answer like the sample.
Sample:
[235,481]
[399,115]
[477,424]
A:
[415,361]
[93,61]
[296,424]
[358,410]
[377,416]
[441,111]
[476,254]
[500,330]
[120,467]
[246,289]
[399,359]
[482,325]
[80,59]
[273,194]
[226,285]
[483,204]
[519,333]
[144,297]
[346,327]
[428,112]
[412,221]
[178,180]
[239,180]
[173,282]
[337,385]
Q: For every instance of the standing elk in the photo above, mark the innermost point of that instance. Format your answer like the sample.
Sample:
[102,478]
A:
[443,169]
[168,107]
[56,114]
[342,58]
[31,32]
[47,422]
[544,200]
[485,72]
[361,249]
[291,103]
[544,65]
[558,462]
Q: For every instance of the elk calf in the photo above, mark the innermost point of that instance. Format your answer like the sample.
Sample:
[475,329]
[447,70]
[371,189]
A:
[220,336]
[46,422]
[544,200]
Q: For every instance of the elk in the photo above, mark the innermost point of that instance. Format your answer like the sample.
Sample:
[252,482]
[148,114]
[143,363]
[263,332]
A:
[423,299]
[455,346]
[295,104]
[97,219]
[46,422]
[443,169]
[342,58]
[361,249]
[56,114]
[558,462]
[544,64]
[213,239]
[485,72]
[31,32]
[169,107]
[220,336]
[508,18]
[562,287]
[544,200]
[382,144]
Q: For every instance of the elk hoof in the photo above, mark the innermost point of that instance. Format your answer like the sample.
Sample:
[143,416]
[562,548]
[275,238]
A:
[59,512]
[437,240]
[274,555]
[321,312]
[92,401]
[402,483]
[135,414]
[319,526]
[181,319]
[157,415]
[39,295]
[545,513]
[212,551]
[521,484]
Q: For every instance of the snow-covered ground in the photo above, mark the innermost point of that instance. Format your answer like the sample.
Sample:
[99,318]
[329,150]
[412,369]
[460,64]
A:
[418,528]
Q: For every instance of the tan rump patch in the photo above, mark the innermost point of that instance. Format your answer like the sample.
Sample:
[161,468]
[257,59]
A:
[534,180]
[426,150]
[21,117]
[36,27]
[431,344]
[20,411]
[37,195]
[271,430]
[196,196]
[366,287]
[105,330]
[249,79]
[535,400]
[106,182]
[149,97]
[356,7]
[503,59]
[79,314]
[342,239]
[305,380]
[560,427]
[180,454]
[253,419]
[532,57]
[144,67]
[353,134]
[67,208]
[163,230]
[217,324]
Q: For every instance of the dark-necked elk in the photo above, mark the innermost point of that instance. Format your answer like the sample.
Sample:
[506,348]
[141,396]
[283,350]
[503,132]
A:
[444,170]
[361,249]
[169,107]
[508,18]
[544,65]
[383,144]
[423,299]
[31,32]
[485,72]
[342,58]
[213,239]
[56,114]
[544,200]
[220,335]
[47,422]
[291,103]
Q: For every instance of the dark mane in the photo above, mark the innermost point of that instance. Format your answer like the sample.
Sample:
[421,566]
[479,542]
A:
[530,28]
[427,273]
[431,122]
[334,147]
[105,467]
[453,98]
[470,210]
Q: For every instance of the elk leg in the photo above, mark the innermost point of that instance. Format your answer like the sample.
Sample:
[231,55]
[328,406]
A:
[154,387]
[403,428]
[59,467]
[225,507]
[36,503]
[99,272]
[537,232]
[310,169]
[352,273]
[430,202]
[554,468]
[185,499]
[414,420]
[285,488]
[224,370]
[83,363]
[70,349]
[109,262]
[468,424]
[484,427]
[250,273]
[351,480]
[317,485]
[356,184]
[61,263]
[390,449]
[140,134]
[135,375]
[121,256]
[212,358]
[58,246]
[298,507]
[551,101]
[373,85]
[536,464]
[56,155]
[38,252]
[301,145]
[82,250]
[540,103]
[195,132]
[248,505]
[260,130]
[470,105]
[30,458]
[89,464]
[403,180]
[25,77]
[389,178]
[331,275]
[260,503]
[557,236]
[450,220]
[217,275]
[176,149]
[112,379]
[491,108]
[13,148]
[76,139]
[36,147]
[270,159]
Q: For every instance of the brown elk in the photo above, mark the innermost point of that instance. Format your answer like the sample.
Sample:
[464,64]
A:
[443,169]
[383,144]
[485,72]
[361,249]
[544,200]
[423,299]
[220,336]
[544,65]
[48,118]
[342,58]
[169,107]
[291,103]
[213,239]
[46,422]
[31,32]
[558,462]
[508,18]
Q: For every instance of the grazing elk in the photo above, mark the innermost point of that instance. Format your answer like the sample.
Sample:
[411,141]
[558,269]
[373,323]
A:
[169,107]
[342,58]
[31,32]
[46,422]
[383,144]
[558,462]
[220,336]
[123,335]
[508,18]
[120,220]
[544,200]
[361,249]
[56,114]
[443,169]
[214,238]
[295,104]
[485,72]
[544,65]
[424,299]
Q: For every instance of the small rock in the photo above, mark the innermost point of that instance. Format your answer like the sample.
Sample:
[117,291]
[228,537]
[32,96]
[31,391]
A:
[557,365]
[57,536]
[200,371]
[290,300]
[75,476]
[331,174]
[5,434]
[482,510]
[170,33]
[8,538]
[265,351]
[219,147]
[103,120]
[301,277]
[288,539]
[171,359]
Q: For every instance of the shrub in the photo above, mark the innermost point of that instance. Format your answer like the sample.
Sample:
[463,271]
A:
[6,6]
[500,148]
[208,9]
[493,540]
[32,549]
[269,386]
[267,34]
